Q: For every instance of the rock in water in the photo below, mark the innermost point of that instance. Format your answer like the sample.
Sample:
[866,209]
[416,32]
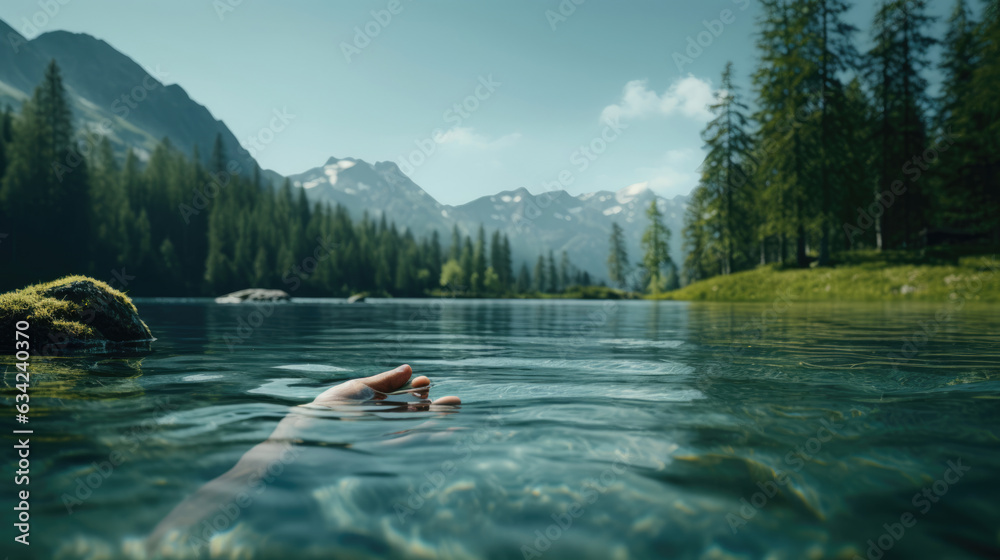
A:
[72,312]
[253,295]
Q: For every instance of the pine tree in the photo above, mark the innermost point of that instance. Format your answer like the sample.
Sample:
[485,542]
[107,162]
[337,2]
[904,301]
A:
[856,176]
[507,264]
[433,259]
[110,210]
[565,271]
[540,282]
[46,187]
[986,111]
[218,163]
[702,257]
[618,258]
[963,200]
[6,135]
[468,265]
[837,54]
[523,284]
[728,196]
[785,83]
[897,59]
[655,246]
[478,279]
[552,275]
[455,250]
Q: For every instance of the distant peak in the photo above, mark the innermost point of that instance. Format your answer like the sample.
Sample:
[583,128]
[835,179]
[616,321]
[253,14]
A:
[632,192]
[60,35]
[635,190]
[388,166]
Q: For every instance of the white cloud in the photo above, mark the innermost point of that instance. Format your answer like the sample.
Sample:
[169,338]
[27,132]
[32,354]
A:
[466,136]
[676,173]
[689,97]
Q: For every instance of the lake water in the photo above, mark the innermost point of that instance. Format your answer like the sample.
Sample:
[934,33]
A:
[605,430]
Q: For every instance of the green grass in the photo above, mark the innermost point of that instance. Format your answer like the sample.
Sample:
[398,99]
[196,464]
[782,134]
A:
[860,276]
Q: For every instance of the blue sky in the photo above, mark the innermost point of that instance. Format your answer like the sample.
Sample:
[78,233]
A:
[534,80]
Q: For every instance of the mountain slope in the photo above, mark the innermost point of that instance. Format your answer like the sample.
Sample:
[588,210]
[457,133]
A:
[111,94]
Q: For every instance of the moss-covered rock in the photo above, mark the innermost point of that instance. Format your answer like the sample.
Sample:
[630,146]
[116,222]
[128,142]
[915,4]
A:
[71,313]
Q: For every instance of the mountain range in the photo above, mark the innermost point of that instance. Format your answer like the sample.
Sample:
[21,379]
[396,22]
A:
[112,95]
[557,221]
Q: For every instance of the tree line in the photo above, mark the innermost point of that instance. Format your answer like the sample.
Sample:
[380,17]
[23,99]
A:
[845,150]
[656,271]
[172,225]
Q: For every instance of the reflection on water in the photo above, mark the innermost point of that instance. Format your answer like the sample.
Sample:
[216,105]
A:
[589,430]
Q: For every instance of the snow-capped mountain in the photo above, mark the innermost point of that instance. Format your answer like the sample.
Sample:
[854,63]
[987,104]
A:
[535,224]
[579,225]
[378,189]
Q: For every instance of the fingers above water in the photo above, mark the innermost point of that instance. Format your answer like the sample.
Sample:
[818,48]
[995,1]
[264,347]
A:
[389,381]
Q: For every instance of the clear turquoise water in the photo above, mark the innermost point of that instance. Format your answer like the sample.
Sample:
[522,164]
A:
[588,430]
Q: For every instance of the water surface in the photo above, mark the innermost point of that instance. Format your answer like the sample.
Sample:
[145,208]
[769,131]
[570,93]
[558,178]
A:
[588,430]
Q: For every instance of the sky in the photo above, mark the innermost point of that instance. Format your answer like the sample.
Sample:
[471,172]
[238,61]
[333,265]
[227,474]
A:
[469,98]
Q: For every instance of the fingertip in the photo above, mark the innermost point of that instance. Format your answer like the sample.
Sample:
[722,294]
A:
[421,381]
[448,400]
[389,380]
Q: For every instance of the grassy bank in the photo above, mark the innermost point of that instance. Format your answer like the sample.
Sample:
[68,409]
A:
[860,277]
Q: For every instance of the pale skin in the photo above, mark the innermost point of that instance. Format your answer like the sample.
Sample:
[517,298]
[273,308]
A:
[255,462]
